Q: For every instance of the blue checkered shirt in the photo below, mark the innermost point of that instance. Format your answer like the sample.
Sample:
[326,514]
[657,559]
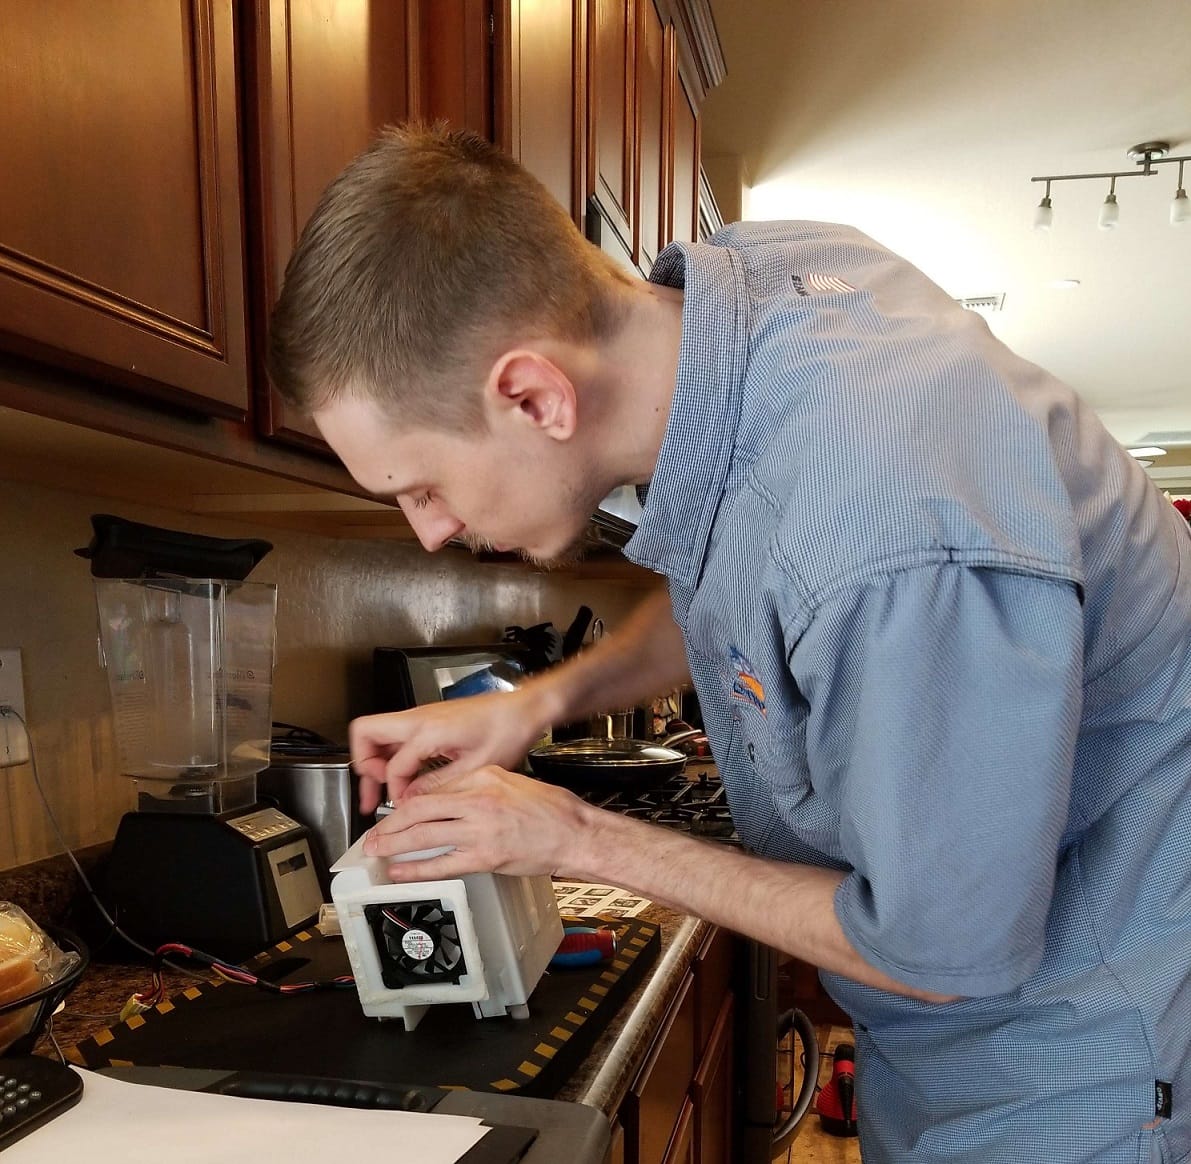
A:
[938,622]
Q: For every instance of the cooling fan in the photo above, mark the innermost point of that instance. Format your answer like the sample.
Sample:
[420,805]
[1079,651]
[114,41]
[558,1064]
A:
[418,943]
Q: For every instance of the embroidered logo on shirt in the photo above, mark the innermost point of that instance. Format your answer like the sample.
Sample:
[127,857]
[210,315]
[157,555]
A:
[823,284]
[746,686]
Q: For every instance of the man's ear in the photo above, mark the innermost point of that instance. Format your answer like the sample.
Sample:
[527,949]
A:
[527,387]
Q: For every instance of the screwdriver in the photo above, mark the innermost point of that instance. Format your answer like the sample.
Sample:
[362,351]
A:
[584,945]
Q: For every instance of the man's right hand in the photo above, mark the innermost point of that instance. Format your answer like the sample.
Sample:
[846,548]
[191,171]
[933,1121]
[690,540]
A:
[389,750]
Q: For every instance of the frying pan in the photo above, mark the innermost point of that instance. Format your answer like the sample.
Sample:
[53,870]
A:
[595,765]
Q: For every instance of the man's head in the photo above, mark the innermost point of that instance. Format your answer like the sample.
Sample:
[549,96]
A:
[424,260]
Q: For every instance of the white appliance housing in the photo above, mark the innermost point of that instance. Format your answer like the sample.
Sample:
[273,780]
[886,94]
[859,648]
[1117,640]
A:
[503,931]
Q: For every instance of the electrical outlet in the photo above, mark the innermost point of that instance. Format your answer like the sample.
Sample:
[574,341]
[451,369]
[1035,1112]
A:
[12,680]
[14,739]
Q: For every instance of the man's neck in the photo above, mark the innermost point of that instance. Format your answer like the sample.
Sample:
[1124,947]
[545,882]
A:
[635,374]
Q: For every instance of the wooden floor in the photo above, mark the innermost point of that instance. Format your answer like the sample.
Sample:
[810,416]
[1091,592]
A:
[812,1145]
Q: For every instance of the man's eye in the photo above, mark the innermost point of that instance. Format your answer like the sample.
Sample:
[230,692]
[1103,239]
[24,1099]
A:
[421,502]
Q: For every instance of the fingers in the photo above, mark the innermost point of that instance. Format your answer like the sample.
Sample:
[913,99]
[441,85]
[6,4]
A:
[385,753]
[455,864]
[432,823]
[369,794]
[421,822]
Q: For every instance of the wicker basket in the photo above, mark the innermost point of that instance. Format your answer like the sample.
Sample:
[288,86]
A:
[48,997]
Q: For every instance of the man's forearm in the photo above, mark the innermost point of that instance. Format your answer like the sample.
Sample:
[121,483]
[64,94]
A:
[787,906]
[639,660]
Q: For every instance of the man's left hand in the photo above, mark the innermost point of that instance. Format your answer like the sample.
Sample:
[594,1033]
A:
[497,822]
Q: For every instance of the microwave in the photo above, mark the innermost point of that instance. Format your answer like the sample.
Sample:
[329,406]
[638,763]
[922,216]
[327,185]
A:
[405,677]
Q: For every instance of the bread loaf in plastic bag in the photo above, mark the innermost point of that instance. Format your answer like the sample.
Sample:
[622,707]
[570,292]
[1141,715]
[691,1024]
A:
[29,960]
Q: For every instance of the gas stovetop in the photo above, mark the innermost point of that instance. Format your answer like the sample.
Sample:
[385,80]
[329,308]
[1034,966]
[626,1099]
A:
[693,802]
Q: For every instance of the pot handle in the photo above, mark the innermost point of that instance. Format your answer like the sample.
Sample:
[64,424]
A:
[682,736]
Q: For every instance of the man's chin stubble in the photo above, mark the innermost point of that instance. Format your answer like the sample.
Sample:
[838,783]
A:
[568,556]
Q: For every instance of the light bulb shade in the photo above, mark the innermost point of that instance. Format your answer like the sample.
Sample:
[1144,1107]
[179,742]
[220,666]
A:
[1180,208]
[1044,215]
[1110,213]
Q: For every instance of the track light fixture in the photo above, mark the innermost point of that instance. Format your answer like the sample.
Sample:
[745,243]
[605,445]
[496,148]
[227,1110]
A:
[1147,155]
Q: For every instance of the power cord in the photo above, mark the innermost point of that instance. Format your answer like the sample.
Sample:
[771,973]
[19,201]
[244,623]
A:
[6,712]
[145,999]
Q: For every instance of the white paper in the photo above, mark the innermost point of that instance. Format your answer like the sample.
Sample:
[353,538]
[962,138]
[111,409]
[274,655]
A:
[583,899]
[132,1123]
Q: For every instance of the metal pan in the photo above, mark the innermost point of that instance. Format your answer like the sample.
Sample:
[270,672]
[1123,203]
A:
[593,765]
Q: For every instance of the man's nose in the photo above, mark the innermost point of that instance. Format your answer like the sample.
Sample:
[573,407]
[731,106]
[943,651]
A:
[434,525]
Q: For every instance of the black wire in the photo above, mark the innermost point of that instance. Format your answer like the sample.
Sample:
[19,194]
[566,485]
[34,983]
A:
[115,927]
[158,960]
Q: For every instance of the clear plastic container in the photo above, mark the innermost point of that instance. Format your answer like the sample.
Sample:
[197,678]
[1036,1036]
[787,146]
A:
[190,669]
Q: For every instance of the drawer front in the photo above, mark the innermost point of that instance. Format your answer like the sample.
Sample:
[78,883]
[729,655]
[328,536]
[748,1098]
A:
[713,982]
[661,1089]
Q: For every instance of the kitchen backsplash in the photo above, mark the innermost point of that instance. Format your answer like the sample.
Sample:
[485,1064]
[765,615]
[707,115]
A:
[336,601]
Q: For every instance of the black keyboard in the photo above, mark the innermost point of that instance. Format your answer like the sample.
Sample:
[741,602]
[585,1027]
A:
[32,1091]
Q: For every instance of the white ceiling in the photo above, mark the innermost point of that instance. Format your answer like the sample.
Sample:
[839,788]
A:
[922,121]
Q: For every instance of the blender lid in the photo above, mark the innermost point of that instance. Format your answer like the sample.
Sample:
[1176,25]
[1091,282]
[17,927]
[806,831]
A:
[128,549]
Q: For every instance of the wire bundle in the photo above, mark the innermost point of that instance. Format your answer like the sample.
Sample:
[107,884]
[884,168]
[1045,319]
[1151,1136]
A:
[228,971]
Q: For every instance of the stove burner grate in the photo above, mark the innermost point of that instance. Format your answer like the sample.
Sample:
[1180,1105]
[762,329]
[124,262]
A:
[694,803]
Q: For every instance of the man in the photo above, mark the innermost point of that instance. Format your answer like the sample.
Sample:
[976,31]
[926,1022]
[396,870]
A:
[936,618]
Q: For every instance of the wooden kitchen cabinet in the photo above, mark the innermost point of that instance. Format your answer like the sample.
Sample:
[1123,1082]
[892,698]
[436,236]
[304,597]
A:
[681,1106]
[650,64]
[712,1092]
[611,117]
[324,78]
[661,1091]
[540,70]
[715,1013]
[713,983]
[655,45]
[120,221]
[616,1146]
[682,1145]
[684,154]
[161,158]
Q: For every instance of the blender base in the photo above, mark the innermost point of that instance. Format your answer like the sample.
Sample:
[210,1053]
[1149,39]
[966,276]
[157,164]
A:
[229,884]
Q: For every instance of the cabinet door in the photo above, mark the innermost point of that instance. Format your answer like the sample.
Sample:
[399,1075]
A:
[682,1146]
[684,193]
[120,220]
[712,1093]
[540,109]
[327,76]
[713,983]
[616,1147]
[611,116]
[660,1091]
[651,153]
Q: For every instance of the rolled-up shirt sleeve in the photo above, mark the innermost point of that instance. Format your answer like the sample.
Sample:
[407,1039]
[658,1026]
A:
[944,710]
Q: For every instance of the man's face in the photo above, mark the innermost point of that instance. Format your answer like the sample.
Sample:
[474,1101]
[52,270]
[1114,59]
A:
[501,490]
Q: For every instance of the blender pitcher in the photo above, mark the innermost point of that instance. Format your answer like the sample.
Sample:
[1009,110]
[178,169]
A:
[190,668]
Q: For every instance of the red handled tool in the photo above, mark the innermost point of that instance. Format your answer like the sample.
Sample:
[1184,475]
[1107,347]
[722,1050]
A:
[836,1103]
[585,946]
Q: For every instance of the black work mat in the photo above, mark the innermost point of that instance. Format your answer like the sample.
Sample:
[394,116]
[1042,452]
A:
[325,1034]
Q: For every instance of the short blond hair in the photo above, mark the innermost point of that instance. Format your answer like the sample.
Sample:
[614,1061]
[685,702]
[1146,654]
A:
[428,250]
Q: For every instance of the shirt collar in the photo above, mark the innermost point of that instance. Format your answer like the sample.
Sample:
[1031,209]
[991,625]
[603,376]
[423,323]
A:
[696,453]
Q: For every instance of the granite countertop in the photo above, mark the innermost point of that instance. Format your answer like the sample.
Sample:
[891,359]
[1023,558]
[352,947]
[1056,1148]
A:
[46,889]
[619,1053]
